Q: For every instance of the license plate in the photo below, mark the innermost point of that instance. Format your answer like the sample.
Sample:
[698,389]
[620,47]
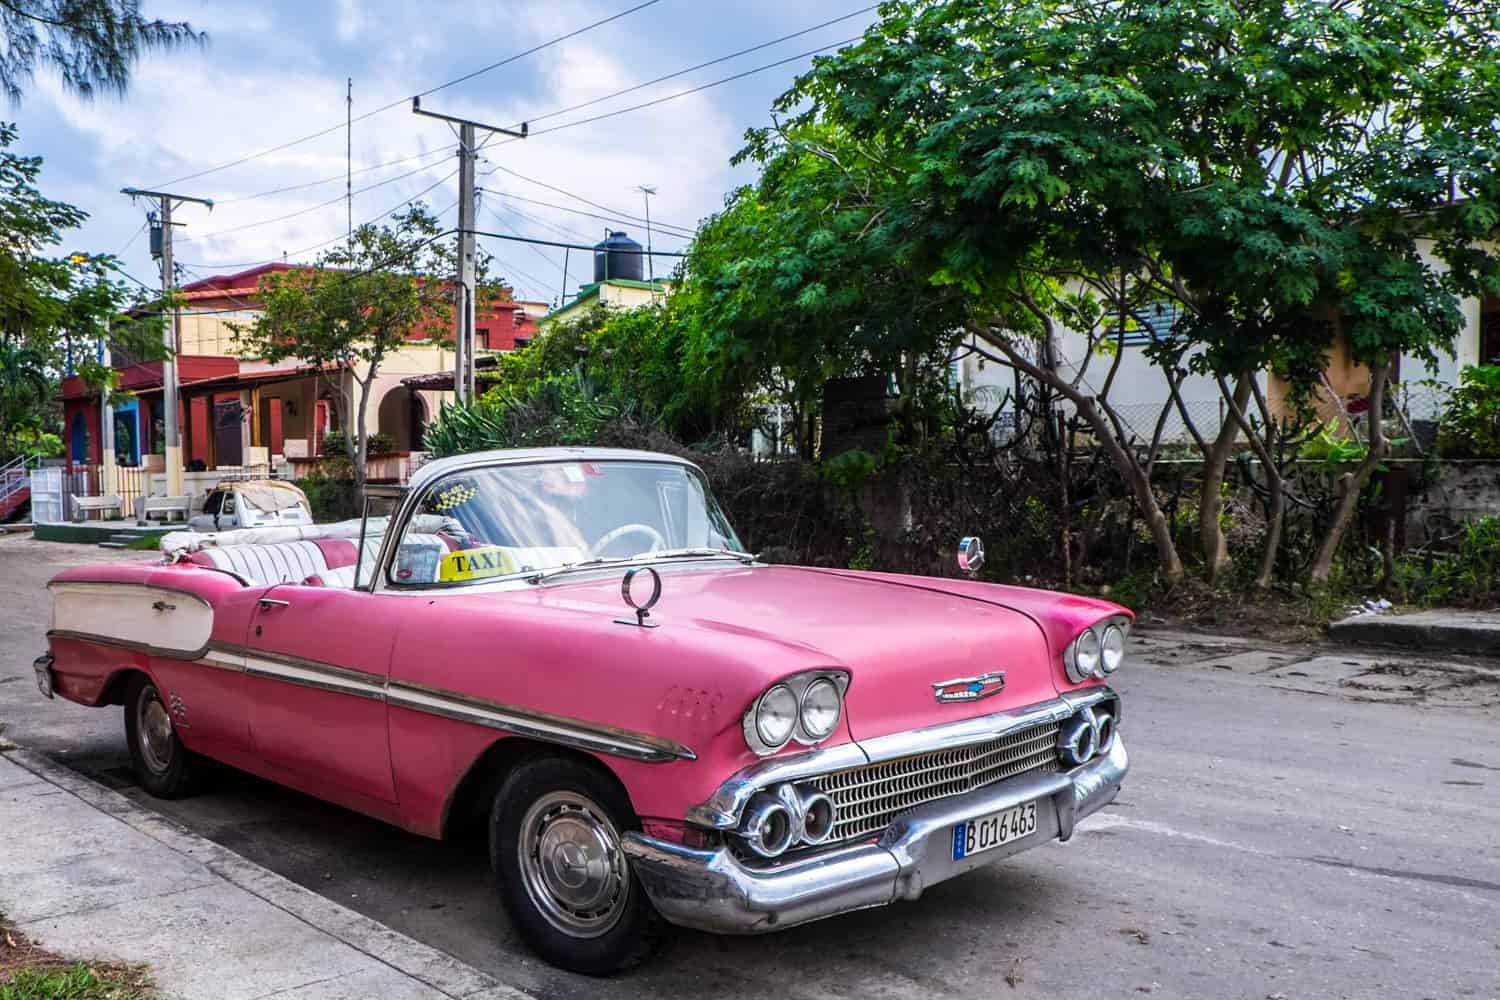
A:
[995,830]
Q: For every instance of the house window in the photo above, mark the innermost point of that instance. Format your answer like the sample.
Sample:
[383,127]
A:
[1489,332]
[482,337]
[1154,322]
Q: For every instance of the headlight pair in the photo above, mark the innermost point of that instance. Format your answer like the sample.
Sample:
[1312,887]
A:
[1098,651]
[805,707]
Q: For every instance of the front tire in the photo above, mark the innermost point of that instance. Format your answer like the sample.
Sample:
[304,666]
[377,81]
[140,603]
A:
[164,767]
[562,876]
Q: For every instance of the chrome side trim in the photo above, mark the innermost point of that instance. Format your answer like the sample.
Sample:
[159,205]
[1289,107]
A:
[127,644]
[577,733]
[519,721]
[723,808]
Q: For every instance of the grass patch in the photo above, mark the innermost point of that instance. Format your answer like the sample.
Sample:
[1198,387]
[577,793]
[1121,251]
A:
[146,543]
[29,972]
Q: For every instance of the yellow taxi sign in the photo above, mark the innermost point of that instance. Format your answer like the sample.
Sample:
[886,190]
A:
[475,564]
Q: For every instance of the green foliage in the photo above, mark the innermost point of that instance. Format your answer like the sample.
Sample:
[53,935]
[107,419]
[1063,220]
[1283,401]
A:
[146,543]
[76,982]
[1468,576]
[848,470]
[47,301]
[1470,425]
[92,44]
[381,444]
[1333,446]
[332,497]
[354,309]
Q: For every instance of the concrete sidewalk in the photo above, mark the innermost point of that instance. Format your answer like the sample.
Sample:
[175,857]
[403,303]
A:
[1473,632]
[86,872]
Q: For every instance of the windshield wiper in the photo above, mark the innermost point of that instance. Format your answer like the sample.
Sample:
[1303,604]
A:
[704,553]
[590,563]
[596,561]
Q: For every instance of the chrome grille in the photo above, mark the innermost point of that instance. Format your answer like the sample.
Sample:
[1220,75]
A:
[870,797]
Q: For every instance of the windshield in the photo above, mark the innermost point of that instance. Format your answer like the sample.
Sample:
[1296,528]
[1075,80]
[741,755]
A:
[512,519]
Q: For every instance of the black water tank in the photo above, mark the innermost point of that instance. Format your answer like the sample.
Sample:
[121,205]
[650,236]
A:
[619,256]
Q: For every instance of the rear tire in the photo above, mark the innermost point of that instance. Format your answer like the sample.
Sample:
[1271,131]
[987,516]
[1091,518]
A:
[164,767]
[561,874]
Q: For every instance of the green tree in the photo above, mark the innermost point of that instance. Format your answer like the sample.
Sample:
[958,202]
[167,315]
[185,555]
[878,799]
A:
[346,315]
[93,44]
[807,276]
[1265,164]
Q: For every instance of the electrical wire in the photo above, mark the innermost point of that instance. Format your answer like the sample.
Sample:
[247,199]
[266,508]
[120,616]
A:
[397,103]
[690,91]
[616,218]
[434,155]
[321,205]
[703,65]
[131,242]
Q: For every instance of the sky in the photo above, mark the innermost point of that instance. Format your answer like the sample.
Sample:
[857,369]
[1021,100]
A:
[275,70]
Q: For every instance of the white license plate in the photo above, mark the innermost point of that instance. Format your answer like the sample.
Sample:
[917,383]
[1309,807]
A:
[995,830]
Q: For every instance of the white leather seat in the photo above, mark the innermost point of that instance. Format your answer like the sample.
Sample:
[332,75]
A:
[282,562]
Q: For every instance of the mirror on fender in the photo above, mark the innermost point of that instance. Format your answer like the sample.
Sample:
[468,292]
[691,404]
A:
[970,554]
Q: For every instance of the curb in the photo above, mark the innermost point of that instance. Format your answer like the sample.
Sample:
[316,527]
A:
[435,969]
[1434,634]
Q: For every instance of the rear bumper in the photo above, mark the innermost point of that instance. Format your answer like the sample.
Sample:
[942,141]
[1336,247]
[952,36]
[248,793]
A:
[45,681]
[711,890]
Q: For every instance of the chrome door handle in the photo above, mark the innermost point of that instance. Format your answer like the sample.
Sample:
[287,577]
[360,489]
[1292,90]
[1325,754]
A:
[163,606]
[267,603]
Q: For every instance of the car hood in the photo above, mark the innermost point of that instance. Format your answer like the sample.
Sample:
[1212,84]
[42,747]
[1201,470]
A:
[897,638]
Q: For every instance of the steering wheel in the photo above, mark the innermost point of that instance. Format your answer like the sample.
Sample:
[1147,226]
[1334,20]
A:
[615,534]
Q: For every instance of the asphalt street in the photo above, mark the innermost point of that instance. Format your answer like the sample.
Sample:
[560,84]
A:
[1300,821]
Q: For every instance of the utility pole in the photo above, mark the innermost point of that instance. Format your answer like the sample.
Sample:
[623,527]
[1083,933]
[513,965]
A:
[647,190]
[171,336]
[349,156]
[463,320]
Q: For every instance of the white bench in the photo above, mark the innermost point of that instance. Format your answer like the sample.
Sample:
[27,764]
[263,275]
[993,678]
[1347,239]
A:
[83,506]
[168,507]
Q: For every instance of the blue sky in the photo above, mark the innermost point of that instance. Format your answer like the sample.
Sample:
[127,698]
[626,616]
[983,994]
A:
[275,71]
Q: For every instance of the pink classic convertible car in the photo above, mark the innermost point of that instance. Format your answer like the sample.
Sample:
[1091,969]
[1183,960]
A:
[573,644]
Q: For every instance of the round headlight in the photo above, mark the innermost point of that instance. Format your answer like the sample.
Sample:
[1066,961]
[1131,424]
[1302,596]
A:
[776,716]
[820,708]
[1086,652]
[1113,653]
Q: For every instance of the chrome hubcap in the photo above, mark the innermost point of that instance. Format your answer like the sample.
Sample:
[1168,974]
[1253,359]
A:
[572,864]
[154,728]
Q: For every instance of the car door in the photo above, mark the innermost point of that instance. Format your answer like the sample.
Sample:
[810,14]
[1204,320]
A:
[317,662]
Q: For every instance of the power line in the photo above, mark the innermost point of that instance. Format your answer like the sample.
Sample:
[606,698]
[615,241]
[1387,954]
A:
[703,65]
[615,214]
[570,246]
[534,249]
[397,103]
[131,242]
[615,218]
[693,90]
[332,201]
[434,155]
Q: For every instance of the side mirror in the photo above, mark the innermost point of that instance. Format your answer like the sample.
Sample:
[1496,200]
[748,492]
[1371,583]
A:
[970,554]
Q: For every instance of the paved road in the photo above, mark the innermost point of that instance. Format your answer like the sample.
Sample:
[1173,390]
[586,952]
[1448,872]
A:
[1299,822]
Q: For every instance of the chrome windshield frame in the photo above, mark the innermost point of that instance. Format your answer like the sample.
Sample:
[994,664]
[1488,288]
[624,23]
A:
[422,485]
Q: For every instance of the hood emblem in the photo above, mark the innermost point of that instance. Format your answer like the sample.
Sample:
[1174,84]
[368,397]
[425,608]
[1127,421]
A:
[969,688]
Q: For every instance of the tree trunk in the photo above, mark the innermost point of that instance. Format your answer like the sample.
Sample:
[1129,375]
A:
[1275,519]
[1351,483]
[1211,494]
[358,439]
[1129,469]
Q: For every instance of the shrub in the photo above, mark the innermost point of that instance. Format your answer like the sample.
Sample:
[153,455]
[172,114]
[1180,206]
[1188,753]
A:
[332,497]
[1470,425]
[380,444]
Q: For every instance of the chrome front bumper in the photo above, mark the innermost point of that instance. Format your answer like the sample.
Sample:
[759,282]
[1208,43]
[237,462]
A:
[711,890]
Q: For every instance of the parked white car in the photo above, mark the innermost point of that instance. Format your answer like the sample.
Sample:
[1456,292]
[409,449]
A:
[260,503]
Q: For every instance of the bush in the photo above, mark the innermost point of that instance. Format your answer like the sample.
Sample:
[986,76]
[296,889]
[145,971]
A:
[380,444]
[1468,576]
[332,497]
[1470,425]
